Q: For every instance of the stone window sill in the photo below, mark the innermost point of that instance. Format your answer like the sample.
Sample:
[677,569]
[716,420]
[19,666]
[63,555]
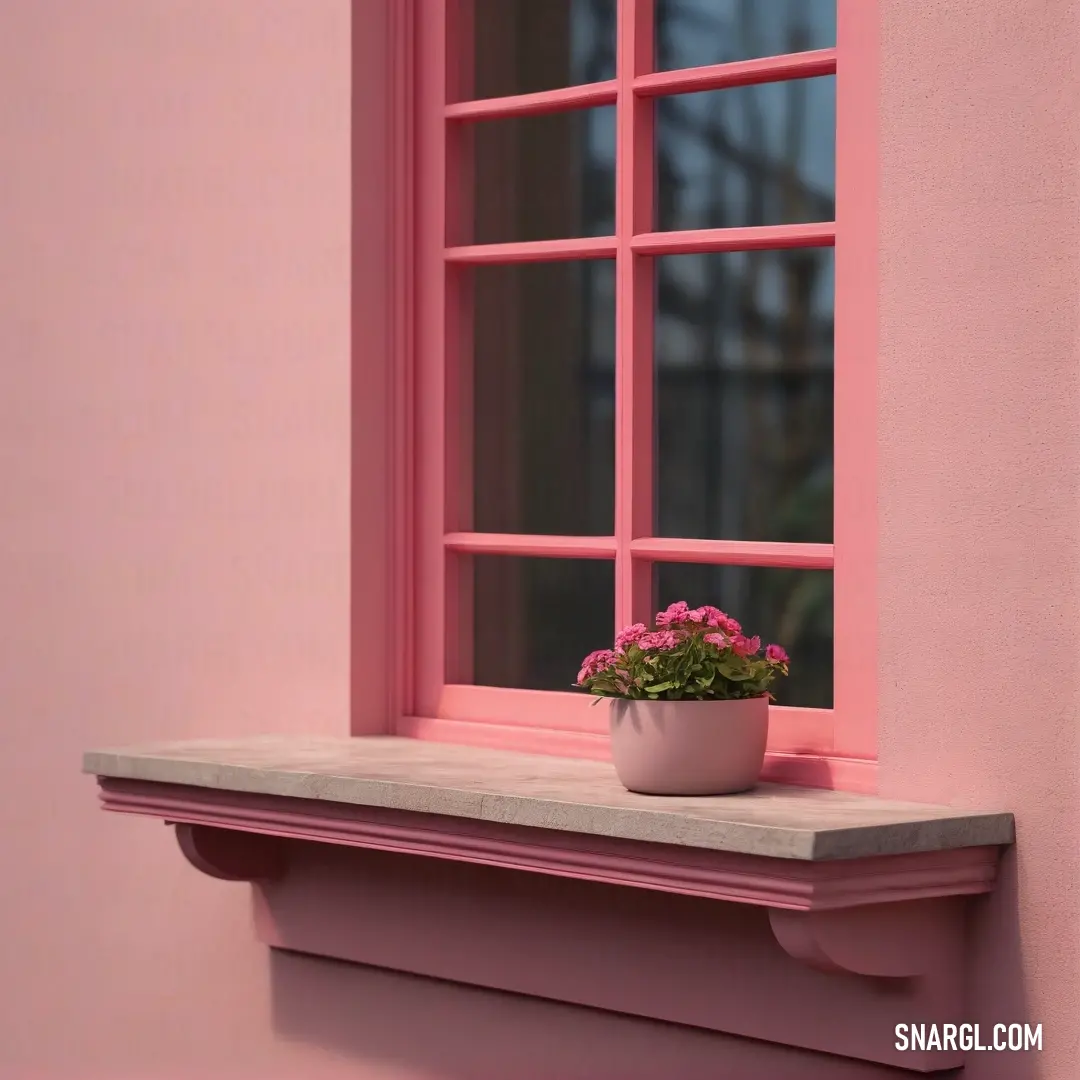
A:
[861,891]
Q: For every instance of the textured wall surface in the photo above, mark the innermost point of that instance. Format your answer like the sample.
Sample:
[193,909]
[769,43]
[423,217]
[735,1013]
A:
[980,470]
[182,324]
[174,446]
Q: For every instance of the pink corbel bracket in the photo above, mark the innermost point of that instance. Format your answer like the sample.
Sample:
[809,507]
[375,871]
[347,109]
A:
[837,917]
[894,940]
[880,939]
[230,855]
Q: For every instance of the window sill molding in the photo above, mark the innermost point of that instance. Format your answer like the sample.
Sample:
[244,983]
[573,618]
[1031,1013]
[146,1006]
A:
[852,887]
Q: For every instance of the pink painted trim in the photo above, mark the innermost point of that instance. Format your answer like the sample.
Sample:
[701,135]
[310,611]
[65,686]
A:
[814,770]
[796,730]
[791,730]
[493,735]
[431,369]
[566,547]
[507,706]
[585,96]
[585,247]
[788,884]
[734,552]
[401,185]
[817,770]
[855,456]
[764,237]
[756,238]
[742,73]
[458,399]
[634,300]
[655,548]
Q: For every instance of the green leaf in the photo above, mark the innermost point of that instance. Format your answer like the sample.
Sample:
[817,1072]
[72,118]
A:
[735,674]
[657,688]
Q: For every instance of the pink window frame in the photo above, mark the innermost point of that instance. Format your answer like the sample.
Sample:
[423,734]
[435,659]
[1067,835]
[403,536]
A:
[430,423]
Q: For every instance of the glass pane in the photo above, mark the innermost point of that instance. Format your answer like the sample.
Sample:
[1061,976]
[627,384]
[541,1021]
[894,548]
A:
[793,608]
[521,46]
[544,398]
[750,155]
[692,33]
[744,395]
[544,177]
[536,619]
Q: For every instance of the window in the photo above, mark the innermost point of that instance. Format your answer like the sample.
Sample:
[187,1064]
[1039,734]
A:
[644,356]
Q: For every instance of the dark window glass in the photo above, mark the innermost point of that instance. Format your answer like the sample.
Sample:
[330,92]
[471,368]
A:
[693,33]
[746,156]
[536,619]
[543,177]
[522,46]
[543,342]
[744,395]
[793,608]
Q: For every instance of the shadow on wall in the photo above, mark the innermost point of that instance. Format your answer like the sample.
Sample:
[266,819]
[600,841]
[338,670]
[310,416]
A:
[997,989]
[811,771]
[404,1027]
[397,1026]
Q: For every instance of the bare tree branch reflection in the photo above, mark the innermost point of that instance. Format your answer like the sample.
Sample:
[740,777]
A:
[744,341]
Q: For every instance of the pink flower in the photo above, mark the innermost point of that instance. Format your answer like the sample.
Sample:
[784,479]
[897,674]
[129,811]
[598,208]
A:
[719,640]
[775,654]
[744,646]
[675,614]
[661,639]
[696,616]
[594,663]
[629,634]
[715,617]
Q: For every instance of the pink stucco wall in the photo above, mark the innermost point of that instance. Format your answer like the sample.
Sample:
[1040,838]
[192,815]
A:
[186,287]
[979,576]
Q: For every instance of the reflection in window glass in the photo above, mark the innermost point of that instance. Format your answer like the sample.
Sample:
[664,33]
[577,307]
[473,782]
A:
[746,156]
[544,398]
[793,608]
[544,177]
[536,619]
[522,46]
[692,33]
[744,395]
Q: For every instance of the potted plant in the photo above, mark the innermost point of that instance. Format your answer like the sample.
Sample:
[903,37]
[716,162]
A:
[690,714]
